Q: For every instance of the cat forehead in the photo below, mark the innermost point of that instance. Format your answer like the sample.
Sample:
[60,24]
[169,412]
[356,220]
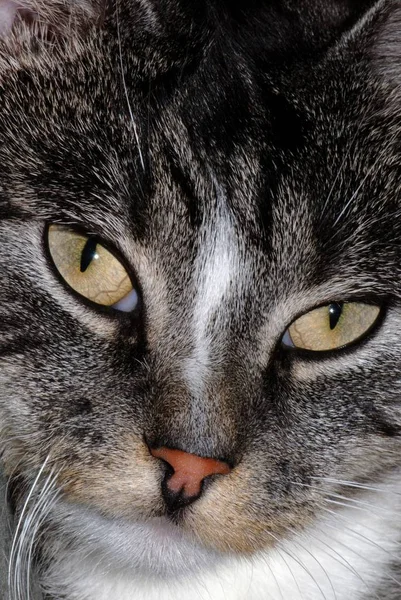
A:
[295,170]
[87,172]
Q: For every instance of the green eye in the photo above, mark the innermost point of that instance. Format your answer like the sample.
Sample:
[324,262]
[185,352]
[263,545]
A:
[332,326]
[90,269]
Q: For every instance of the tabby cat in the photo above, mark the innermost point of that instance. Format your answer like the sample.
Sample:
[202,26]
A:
[200,299]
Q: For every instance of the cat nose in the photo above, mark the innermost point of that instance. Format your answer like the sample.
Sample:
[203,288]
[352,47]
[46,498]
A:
[184,485]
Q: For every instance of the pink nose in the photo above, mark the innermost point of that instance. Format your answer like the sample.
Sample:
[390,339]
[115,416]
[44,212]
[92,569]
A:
[189,470]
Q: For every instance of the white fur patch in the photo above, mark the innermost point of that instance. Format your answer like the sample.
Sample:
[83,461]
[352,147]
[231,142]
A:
[217,268]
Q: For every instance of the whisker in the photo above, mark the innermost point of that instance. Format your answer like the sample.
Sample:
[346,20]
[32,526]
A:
[360,508]
[341,516]
[301,564]
[266,561]
[291,573]
[355,484]
[366,559]
[359,503]
[366,527]
[341,560]
[354,195]
[360,535]
[361,184]
[352,502]
[125,85]
[14,561]
[363,506]
[45,501]
[340,169]
[316,561]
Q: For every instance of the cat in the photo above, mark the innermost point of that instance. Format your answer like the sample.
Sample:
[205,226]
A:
[200,299]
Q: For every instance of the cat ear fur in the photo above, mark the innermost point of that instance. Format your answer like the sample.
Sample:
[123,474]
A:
[8,11]
[387,47]
[378,35]
[44,19]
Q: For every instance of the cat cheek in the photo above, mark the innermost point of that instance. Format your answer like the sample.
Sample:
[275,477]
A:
[8,12]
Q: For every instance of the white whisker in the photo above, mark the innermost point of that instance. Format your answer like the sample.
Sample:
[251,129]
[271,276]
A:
[377,162]
[35,520]
[359,535]
[368,528]
[15,570]
[296,541]
[353,484]
[280,553]
[342,560]
[301,564]
[354,502]
[365,558]
[275,580]
[125,86]
[326,498]
[340,170]
[348,504]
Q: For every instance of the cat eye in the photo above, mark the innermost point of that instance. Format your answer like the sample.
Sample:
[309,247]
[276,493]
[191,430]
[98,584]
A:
[332,326]
[90,269]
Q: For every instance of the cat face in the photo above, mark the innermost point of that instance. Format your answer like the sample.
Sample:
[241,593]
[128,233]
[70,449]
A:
[236,200]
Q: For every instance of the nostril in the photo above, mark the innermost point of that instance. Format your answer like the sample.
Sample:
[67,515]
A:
[189,471]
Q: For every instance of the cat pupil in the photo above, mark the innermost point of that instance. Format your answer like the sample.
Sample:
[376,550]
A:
[335,311]
[88,254]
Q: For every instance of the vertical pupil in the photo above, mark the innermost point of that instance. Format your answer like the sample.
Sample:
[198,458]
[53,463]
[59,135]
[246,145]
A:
[335,311]
[88,253]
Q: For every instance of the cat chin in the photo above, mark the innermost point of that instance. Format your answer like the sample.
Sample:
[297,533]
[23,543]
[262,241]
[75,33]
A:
[155,547]
[344,554]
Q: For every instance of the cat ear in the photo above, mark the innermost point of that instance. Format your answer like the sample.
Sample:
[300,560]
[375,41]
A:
[44,18]
[387,47]
[377,36]
[8,11]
